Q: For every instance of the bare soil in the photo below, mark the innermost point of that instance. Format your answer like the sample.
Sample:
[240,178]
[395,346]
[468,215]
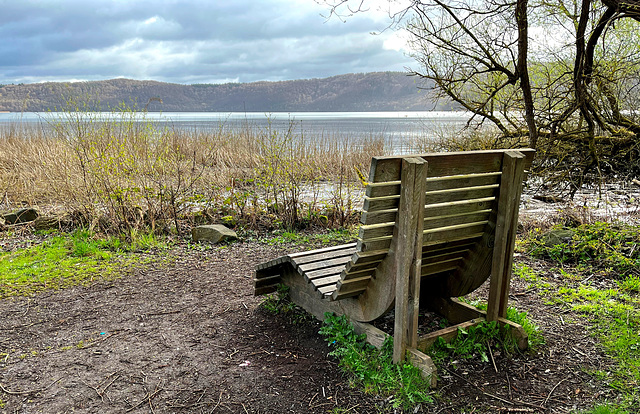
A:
[186,335]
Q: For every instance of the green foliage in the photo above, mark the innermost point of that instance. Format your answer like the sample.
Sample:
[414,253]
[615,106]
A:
[610,247]
[469,343]
[280,303]
[372,369]
[630,284]
[605,409]
[64,260]
[534,334]
[330,237]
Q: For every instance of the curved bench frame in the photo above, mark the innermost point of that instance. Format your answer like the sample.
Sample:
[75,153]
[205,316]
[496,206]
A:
[443,221]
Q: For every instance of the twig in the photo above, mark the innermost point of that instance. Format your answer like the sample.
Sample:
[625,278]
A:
[492,360]
[552,390]
[6,391]
[144,401]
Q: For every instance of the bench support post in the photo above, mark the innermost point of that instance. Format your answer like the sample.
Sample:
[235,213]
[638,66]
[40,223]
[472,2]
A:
[408,256]
[506,226]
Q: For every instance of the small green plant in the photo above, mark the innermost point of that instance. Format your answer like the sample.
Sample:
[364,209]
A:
[279,303]
[630,284]
[372,369]
[605,409]
[471,343]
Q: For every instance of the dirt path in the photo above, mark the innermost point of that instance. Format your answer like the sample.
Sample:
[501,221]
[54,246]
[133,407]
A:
[189,337]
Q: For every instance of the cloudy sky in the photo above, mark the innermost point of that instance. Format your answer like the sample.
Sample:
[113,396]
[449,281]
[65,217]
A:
[190,41]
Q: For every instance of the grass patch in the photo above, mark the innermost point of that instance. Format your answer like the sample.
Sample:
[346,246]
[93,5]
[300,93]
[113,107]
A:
[330,237]
[606,247]
[600,283]
[372,369]
[64,260]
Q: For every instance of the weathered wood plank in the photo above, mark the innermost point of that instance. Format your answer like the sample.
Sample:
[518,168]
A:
[380,203]
[326,249]
[440,267]
[513,170]
[451,232]
[348,252]
[369,232]
[448,163]
[383,189]
[459,207]
[460,194]
[424,363]
[408,256]
[323,264]
[324,281]
[327,271]
[267,281]
[465,180]
[447,334]
[357,274]
[455,254]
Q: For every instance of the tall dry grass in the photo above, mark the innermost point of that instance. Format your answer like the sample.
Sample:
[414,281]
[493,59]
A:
[123,172]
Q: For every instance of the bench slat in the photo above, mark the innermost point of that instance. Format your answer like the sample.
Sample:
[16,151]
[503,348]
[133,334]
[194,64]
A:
[447,163]
[324,281]
[324,256]
[326,249]
[392,188]
[328,271]
[386,229]
[323,264]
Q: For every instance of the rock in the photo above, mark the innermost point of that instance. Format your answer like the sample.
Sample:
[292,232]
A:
[52,222]
[214,233]
[24,215]
[557,236]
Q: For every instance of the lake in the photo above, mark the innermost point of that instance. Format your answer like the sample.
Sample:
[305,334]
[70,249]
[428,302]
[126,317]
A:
[400,129]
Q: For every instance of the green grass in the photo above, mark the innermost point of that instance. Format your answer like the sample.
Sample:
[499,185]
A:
[333,237]
[68,259]
[599,282]
[615,319]
[372,369]
[605,409]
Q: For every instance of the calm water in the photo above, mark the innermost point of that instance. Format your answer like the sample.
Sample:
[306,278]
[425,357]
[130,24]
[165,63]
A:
[401,129]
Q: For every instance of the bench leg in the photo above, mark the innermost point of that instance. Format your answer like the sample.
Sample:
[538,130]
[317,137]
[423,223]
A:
[408,255]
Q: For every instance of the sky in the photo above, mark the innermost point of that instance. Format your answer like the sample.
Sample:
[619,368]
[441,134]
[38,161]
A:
[192,41]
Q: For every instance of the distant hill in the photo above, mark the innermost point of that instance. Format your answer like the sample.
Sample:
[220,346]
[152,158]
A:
[380,91]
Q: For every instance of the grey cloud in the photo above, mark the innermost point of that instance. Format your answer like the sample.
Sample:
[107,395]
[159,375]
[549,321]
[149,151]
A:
[184,41]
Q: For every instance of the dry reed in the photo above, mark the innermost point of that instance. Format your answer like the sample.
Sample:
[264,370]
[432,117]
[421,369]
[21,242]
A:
[136,173]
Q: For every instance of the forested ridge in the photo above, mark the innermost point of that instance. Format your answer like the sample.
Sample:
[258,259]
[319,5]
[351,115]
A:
[380,91]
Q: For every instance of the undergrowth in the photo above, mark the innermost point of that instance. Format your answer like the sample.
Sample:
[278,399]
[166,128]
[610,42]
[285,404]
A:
[372,369]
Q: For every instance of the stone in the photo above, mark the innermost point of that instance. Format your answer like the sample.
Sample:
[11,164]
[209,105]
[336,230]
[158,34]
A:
[214,233]
[52,222]
[557,236]
[24,215]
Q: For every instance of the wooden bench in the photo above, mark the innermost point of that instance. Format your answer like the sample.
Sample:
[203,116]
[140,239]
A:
[434,227]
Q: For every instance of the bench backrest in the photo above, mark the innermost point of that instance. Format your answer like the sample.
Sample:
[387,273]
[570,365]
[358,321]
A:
[462,198]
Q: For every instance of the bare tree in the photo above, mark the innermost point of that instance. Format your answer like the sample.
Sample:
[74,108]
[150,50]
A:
[568,90]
